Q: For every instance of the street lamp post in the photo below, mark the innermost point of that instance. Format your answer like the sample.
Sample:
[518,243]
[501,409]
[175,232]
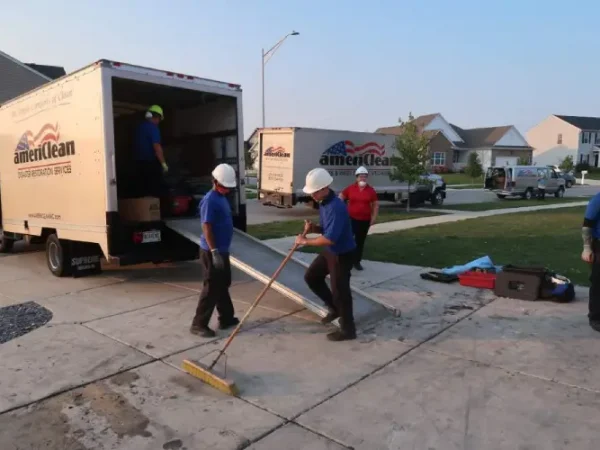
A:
[265,58]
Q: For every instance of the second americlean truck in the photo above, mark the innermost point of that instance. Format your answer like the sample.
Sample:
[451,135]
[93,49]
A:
[67,173]
[287,154]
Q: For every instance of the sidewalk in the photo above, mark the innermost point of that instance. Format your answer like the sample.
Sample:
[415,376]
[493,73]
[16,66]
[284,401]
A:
[460,369]
[286,243]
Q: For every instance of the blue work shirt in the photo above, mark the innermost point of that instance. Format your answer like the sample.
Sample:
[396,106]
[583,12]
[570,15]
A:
[214,209]
[592,214]
[146,135]
[336,225]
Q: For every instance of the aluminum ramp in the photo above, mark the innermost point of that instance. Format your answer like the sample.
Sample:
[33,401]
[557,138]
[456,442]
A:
[260,261]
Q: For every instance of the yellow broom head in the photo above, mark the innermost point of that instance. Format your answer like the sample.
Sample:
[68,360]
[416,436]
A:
[202,372]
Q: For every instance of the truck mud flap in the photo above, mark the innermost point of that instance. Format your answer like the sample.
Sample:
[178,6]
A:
[260,261]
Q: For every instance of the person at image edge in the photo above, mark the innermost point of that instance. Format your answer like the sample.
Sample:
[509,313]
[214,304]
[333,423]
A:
[363,208]
[217,233]
[336,259]
[590,232]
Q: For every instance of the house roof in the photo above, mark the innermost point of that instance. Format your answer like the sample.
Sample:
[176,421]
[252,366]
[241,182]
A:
[52,72]
[421,122]
[581,122]
[481,137]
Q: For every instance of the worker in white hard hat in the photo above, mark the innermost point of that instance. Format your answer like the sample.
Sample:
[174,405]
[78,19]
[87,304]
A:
[149,156]
[363,208]
[337,257]
[217,233]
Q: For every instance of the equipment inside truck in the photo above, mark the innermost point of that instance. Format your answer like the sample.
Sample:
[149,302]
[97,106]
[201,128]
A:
[198,132]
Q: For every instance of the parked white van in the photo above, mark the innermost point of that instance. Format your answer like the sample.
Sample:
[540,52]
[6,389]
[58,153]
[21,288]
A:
[523,181]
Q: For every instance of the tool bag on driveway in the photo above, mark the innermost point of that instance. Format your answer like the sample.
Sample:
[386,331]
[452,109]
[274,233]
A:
[533,283]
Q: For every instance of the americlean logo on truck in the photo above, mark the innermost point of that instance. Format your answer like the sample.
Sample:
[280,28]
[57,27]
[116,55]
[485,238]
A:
[345,153]
[43,146]
[276,152]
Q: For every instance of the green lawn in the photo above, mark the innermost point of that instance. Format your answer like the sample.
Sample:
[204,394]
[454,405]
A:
[251,195]
[516,203]
[460,178]
[466,186]
[281,229]
[548,238]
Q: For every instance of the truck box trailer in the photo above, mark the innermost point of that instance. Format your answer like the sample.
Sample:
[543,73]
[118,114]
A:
[286,155]
[67,174]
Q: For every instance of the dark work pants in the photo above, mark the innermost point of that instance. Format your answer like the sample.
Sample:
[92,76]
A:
[339,297]
[151,182]
[360,228]
[215,291]
[594,305]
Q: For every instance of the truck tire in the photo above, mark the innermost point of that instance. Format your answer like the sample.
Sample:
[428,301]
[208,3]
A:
[560,193]
[6,244]
[501,196]
[528,195]
[437,198]
[569,184]
[57,256]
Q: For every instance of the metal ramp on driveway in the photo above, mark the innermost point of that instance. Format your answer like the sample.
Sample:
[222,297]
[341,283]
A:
[260,261]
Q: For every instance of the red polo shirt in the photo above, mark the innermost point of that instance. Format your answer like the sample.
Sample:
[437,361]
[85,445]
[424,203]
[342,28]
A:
[359,201]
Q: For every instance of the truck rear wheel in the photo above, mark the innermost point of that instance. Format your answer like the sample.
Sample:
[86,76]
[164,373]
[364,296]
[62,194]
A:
[6,244]
[57,256]
[437,198]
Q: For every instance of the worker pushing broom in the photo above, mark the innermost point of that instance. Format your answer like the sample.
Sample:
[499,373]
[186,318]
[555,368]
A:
[335,260]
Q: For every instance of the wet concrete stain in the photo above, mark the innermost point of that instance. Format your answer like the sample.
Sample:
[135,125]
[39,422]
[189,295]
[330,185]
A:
[125,378]
[175,444]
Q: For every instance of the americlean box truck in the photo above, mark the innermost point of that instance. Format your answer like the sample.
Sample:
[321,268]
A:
[66,165]
[286,155]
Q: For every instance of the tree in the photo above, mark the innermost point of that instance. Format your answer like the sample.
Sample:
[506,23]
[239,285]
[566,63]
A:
[411,156]
[523,161]
[249,156]
[474,168]
[566,165]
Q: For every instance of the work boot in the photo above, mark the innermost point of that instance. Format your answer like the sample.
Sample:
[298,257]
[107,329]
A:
[330,317]
[358,266]
[595,324]
[202,331]
[341,335]
[224,324]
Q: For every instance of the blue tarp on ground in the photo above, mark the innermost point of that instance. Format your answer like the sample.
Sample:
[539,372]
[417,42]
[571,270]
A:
[485,262]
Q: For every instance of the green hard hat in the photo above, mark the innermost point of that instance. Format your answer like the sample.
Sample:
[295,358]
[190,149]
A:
[156,110]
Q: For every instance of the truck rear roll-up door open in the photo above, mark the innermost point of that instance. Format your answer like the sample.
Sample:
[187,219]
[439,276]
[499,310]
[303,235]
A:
[260,262]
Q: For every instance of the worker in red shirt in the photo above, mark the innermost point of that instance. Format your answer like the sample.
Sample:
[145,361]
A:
[362,208]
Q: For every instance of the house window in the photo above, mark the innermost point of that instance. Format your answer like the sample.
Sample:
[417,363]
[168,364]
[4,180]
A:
[597,138]
[439,159]
[585,137]
[559,139]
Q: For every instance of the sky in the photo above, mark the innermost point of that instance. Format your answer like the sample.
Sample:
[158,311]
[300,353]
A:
[356,65]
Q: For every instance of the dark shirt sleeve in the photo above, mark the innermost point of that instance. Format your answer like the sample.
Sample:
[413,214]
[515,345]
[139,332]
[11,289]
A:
[154,133]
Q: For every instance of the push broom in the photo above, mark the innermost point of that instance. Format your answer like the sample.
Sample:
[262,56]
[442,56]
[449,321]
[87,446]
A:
[204,372]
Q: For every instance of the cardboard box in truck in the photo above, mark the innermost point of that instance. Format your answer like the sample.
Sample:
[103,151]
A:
[67,167]
[286,155]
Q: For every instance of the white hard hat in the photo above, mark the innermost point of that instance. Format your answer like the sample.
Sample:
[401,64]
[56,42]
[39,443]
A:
[316,180]
[362,170]
[225,175]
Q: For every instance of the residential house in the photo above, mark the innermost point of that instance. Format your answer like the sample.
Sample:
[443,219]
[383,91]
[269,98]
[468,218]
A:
[557,137]
[451,145]
[17,78]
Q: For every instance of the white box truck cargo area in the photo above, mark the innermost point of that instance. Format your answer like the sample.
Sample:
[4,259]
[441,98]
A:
[67,163]
[286,155]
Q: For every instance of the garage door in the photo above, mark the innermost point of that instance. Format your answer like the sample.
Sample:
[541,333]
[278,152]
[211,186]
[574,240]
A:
[506,160]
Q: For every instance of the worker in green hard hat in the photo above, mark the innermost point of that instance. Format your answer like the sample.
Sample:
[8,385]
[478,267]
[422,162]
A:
[148,154]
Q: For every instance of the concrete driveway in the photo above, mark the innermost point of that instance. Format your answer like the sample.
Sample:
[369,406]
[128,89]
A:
[460,369]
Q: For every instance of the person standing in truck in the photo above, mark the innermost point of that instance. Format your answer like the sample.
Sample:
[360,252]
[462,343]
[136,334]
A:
[149,156]
[363,208]
[337,257]
[217,233]
[590,233]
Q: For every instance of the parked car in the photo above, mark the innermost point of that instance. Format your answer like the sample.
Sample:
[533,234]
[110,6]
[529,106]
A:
[569,177]
[522,181]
